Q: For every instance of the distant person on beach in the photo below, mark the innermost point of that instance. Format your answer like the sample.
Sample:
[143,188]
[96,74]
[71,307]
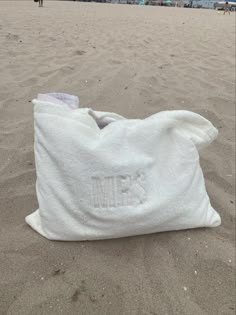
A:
[226,8]
[40,3]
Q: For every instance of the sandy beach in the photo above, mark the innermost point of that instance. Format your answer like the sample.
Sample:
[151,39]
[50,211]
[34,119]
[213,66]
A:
[136,61]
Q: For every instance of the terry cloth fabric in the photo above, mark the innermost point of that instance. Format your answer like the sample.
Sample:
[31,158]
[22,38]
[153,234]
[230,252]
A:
[102,176]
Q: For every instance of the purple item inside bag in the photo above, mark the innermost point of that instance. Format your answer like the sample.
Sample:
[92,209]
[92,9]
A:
[72,102]
[61,99]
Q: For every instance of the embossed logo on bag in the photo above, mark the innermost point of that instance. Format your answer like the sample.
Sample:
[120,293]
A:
[119,191]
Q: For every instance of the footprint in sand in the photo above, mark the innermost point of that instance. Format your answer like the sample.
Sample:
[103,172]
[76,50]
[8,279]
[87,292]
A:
[80,52]
[10,36]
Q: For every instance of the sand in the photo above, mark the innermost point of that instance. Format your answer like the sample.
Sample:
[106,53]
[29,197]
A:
[135,61]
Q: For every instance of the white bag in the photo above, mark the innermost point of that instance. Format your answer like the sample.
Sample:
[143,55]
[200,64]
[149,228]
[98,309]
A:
[101,176]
